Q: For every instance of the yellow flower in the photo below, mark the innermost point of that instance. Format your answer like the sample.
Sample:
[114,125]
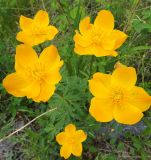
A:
[117,97]
[36,31]
[35,77]
[71,141]
[100,38]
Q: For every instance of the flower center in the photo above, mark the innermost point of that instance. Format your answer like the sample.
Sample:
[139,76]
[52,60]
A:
[38,31]
[38,73]
[97,38]
[71,139]
[117,96]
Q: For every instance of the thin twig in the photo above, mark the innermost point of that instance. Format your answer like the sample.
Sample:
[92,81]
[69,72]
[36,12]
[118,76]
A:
[20,129]
[133,9]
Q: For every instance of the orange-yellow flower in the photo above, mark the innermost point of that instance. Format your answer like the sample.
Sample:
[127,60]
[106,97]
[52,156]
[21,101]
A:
[71,141]
[35,77]
[36,30]
[117,97]
[100,38]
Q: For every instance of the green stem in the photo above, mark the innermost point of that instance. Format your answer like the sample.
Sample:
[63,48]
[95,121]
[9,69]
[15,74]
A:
[43,5]
[91,64]
[61,7]
[134,6]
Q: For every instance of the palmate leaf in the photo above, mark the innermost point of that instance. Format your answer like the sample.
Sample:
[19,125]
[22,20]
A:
[71,98]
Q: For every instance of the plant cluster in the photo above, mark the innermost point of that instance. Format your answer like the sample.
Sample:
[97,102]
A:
[46,77]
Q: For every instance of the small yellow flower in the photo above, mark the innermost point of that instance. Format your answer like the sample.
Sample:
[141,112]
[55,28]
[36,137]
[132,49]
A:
[100,38]
[35,77]
[71,141]
[37,30]
[117,97]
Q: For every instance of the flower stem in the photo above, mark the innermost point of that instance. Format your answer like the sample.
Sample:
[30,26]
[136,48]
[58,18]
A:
[61,7]
[133,9]
[43,5]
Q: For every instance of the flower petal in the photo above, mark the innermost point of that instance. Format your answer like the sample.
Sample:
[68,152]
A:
[70,129]
[93,49]
[108,44]
[80,135]
[34,39]
[83,41]
[83,50]
[25,57]
[26,38]
[85,25]
[25,23]
[105,79]
[127,114]
[51,31]
[46,91]
[119,37]
[53,77]
[61,138]
[65,151]
[99,88]
[124,77]
[104,21]
[32,90]
[50,58]
[140,99]
[99,51]
[14,83]
[101,110]
[77,149]
[37,39]
[42,18]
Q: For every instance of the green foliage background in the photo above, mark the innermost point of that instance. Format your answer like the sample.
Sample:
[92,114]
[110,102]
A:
[72,96]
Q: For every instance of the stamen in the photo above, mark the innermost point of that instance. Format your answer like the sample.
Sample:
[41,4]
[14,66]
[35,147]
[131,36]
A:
[97,38]
[117,96]
[38,73]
